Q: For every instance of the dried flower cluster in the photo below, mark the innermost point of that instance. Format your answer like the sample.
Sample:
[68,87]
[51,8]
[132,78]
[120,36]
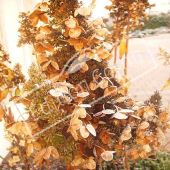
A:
[78,107]
[126,15]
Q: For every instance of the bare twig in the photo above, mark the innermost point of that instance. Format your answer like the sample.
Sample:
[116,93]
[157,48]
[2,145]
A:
[115,165]
[1,157]
[127,45]
[126,165]
[116,38]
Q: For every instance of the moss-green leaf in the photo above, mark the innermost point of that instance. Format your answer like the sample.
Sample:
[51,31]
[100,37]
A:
[59,139]
[17,92]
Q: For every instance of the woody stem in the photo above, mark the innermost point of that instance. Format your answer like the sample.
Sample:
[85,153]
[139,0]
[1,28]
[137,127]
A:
[126,165]
[116,38]
[127,44]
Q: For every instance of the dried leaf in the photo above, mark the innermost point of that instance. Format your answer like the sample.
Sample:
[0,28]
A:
[127,130]
[126,134]
[123,90]
[167,84]
[35,21]
[40,37]
[3,94]
[93,85]
[54,152]
[26,128]
[90,164]
[16,127]
[149,111]
[80,112]
[84,132]
[55,93]
[84,105]
[137,117]
[29,149]
[75,32]
[105,137]
[163,116]
[76,12]
[98,21]
[38,15]
[124,137]
[110,91]
[147,148]
[41,59]
[73,132]
[121,99]
[107,155]
[75,123]
[35,14]
[108,111]
[84,11]
[78,43]
[83,94]
[77,161]
[71,23]
[123,48]
[37,146]
[39,155]
[25,102]
[103,54]
[144,125]
[119,115]
[10,74]
[126,111]
[43,47]
[47,153]
[142,141]
[84,68]
[2,113]
[103,84]
[55,65]
[101,33]
[133,153]
[91,129]
[43,18]
[43,6]
[45,29]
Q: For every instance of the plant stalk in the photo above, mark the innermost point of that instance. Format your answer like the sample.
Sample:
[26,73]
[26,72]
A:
[126,164]
[116,39]
[127,45]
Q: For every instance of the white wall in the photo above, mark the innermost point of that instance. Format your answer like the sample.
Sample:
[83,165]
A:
[9,25]
[9,12]
[161,6]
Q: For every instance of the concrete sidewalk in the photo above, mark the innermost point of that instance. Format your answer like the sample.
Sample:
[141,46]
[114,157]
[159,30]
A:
[145,70]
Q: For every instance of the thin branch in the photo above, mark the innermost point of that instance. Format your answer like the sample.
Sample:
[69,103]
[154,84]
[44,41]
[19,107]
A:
[1,157]
[115,165]
[126,165]
[116,38]
[127,45]
[63,40]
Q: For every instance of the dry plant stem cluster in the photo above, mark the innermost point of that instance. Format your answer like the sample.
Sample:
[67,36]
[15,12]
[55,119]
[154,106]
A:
[72,79]
[166,57]
[126,15]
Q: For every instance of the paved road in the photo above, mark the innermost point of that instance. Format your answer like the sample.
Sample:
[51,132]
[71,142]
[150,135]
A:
[145,70]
